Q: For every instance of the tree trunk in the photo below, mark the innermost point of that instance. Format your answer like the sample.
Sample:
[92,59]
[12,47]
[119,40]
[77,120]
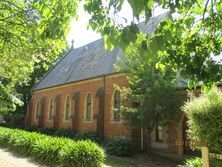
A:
[148,140]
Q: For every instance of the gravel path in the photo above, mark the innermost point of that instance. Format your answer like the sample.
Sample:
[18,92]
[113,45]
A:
[9,159]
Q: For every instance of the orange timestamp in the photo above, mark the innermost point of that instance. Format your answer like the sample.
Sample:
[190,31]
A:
[188,143]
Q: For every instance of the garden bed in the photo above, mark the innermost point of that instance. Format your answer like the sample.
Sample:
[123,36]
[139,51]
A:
[52,150]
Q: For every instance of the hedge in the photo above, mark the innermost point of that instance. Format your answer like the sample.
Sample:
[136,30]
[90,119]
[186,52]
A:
[92,136]
[65,132]
[204,115]
[61,132]
[52,150]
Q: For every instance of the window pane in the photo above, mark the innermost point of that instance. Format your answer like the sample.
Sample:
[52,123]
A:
[88,108]
[37,110]
[67,107]
[50,109]
[117,106]
[160,133]
[159,129]
[40,108]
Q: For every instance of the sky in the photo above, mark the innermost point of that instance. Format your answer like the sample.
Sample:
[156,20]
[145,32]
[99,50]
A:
[82,36]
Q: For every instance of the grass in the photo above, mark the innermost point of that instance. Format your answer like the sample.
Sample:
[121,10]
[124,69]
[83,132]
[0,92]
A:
[118,162]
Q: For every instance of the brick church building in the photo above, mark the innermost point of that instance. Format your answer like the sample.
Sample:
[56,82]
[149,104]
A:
[79,93]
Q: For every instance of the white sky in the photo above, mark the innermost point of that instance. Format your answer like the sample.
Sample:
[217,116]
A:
[82,36]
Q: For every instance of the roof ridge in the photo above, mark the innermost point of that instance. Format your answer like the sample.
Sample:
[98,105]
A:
[97,40]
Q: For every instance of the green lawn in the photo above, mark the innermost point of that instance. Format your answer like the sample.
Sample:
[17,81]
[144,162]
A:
[118,162]
[142,160]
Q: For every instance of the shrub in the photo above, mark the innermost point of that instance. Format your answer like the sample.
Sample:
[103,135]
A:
[33,128]
[194,162]
[46,131]
[93,136]
[65,132]
[118,147]
[17,119]
[204,118]
[52,150]
[215,162]
[85,150]
[14,118]
[62,132]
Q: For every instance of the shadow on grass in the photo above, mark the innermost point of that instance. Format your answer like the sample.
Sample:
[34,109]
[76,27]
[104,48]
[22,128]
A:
[140,160]
[118,162]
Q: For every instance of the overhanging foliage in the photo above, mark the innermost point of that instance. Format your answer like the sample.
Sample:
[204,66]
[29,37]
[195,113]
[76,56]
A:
[31,31]
[190,42]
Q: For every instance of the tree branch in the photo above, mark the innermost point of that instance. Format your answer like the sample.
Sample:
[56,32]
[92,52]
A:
[205,8]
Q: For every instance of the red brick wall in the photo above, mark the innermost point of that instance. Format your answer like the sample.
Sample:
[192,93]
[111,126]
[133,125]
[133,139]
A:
[91,86]
[111,127]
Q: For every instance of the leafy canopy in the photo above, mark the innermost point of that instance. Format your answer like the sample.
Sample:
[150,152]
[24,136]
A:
[31,31]
[190,42]
[151,92]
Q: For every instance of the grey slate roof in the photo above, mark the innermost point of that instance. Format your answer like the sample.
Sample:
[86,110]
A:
[89,61]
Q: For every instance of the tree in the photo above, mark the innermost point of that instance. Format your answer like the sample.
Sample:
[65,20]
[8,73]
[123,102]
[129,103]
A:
[40,67]
[31,31]
[190,42]
[16,116]
[151,93]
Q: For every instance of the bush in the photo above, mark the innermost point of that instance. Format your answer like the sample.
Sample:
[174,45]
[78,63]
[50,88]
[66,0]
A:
[87,154]
[194,162]
[118,147]
[14,118]
[33,128]
[205,119]
[93,136]
[47,131]
[52,150]
[17,119]
[65,132]
[215,162]
[62,132]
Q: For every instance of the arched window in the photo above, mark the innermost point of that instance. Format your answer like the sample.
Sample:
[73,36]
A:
[37,110]
[68,108]
[116,115]
[159,129]
[88,108]
[51,108]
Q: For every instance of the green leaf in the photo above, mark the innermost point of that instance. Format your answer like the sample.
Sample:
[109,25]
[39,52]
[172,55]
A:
[137,6]
[34,31]
[150,4]
[108,44]
[190,84]
[144,45]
